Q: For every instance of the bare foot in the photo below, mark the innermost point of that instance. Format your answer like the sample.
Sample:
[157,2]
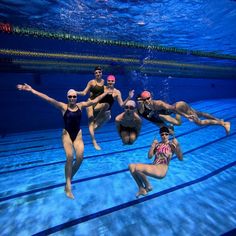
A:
[96,146]
[227,127]
[142,192]
[69,194]
[148,188]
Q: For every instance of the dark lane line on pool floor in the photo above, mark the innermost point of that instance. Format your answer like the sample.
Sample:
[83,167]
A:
[133,202]
[99,155]
[86,143]
[104,154]
[97,176]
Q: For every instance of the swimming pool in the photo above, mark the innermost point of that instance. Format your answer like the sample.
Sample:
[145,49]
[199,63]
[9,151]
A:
[195,198]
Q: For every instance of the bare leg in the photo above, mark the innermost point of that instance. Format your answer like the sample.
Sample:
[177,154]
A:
[102,115]
[102,120]
[206,115]
[226,125]
[140,171]
[132,137]
[147,184]
[67,143]
[125,137]
[91,127]
[170,119]
[79,151]
[142,191]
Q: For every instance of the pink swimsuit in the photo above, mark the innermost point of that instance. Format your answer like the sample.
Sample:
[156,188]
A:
[163,153]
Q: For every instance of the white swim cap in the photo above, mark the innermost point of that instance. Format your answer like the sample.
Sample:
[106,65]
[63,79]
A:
[71,91]
[131,103]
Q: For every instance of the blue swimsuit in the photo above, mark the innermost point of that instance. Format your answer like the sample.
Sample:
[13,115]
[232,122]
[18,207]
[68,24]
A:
[72,122]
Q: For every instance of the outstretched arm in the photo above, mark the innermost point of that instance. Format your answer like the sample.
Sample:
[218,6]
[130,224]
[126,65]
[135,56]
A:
[94,101]
[28,88]
[119,98]
[86,90]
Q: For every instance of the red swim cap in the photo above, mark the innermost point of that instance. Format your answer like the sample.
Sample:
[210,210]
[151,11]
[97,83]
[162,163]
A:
[145,94]
[111,77]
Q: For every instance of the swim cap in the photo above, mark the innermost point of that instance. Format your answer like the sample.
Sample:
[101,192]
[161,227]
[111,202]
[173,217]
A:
[145,94]
[164,129]
[70,91]
[111,77]
[131,103]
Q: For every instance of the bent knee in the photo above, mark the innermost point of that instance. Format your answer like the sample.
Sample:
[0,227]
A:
[79,158]
[104,106]
[69,158]
[132,167]
[125,140]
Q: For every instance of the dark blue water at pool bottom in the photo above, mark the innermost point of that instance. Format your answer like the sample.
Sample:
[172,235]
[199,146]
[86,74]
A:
[209,162]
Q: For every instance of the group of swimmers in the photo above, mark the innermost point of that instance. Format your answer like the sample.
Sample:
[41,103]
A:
[128,125]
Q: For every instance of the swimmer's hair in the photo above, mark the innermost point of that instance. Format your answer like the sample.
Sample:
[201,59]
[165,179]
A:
[97,68]
[131,103]
[71,91]
[164,129]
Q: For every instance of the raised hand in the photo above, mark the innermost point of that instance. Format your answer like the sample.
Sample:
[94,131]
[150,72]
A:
[131,93]
[24,87]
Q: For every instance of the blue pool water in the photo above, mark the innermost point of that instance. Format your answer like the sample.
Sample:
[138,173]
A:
[178,50]
[195,198]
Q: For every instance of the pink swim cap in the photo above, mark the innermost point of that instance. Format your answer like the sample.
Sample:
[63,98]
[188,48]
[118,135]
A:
[145,94]
[111,77]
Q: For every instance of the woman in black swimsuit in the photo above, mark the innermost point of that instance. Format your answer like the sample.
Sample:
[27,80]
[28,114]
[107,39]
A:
[99,114]
[95,87]
[181,108]
[72,134]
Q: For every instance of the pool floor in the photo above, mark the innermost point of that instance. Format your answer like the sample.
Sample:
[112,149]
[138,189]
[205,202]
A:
[197,196]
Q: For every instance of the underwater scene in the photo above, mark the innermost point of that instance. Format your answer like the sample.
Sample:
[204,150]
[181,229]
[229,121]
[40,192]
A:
[118,117]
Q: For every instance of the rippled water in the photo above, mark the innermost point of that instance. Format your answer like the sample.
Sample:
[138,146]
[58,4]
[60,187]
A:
[194,25]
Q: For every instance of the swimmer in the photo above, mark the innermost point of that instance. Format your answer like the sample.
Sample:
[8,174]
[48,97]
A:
[95,87]
[72,134]
[160,113]
[128,123]
[104,114]
[181,108]
[163,151]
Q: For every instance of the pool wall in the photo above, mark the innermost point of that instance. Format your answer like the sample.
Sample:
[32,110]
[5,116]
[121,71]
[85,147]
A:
[23,112]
